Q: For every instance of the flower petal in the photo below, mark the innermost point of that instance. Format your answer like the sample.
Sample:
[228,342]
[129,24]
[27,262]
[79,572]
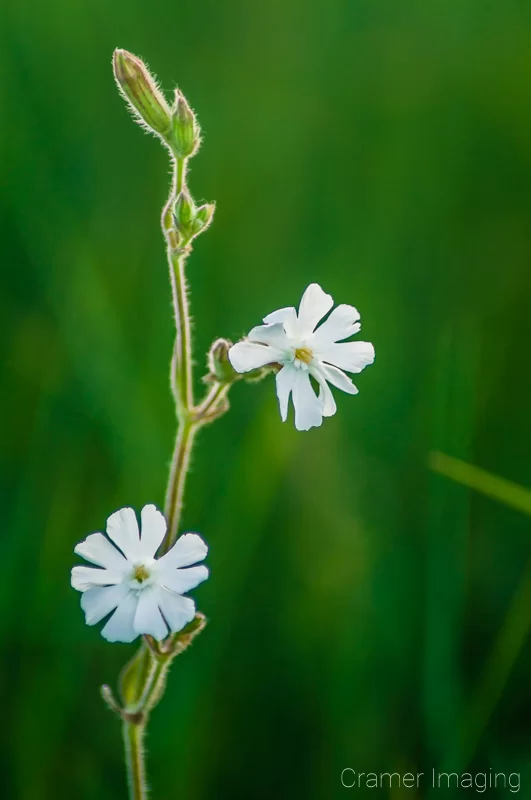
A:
[351,356]
[153,530]
[287,316]
[101,600]
[148,618]
[342,323]
[178,611]
[98,550]
[122,528]
[314,305]
[83,578]
[338,378]
[285,380]
[183,580]
[326,397]
[187,550]
[308,408]
[245,356]
[274,335]
[120,627]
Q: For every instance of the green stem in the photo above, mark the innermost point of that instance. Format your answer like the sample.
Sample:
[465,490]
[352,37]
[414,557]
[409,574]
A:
[212,400]
[178,472]
[179,175]
[134,757]
[182,363]
[154,686]
[190,420]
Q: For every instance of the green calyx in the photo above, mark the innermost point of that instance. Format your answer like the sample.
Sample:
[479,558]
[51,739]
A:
[140,90]
[184,135]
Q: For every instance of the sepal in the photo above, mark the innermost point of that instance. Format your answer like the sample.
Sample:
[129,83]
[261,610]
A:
[219,366]
[134,676]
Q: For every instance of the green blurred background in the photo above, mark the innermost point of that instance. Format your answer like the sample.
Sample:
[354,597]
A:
[366,611]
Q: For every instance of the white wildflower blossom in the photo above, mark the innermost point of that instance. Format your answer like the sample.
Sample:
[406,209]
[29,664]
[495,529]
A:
[145,593]
[305,351]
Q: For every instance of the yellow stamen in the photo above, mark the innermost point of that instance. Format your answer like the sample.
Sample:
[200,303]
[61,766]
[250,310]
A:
[141,574]
[304,354]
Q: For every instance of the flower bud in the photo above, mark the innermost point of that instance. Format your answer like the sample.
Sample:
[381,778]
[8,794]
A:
[140,90]
[203,218]
[184,214]
[184,138]
[221,369]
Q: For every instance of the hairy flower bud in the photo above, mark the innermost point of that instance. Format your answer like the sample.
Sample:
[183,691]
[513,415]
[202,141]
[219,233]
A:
[220,368]
[203,218]
[184,215]
[190,221]
[139,88]
[184,139]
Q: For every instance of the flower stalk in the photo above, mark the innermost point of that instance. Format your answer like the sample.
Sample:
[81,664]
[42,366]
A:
[134,756]
[143,679]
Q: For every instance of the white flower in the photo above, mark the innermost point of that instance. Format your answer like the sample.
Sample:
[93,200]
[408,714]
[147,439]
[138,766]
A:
[146,592]
[292,340]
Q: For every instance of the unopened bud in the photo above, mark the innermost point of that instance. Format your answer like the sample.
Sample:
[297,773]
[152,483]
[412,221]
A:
[184,211]
[140,90]
[219,365]
[184,215]
[190,221]
[184,139]
[203,218]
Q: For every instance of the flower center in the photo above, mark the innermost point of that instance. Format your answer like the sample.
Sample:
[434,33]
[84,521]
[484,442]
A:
[304,354]
[140,573]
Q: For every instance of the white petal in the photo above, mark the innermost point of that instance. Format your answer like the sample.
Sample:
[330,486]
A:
[275,335]
[326,397]
[83,578]
[351,356]
[308,408]
[183,580]
[245,356]
[338,378]
[98,550]
[120,627]
[148,618]
[314,305]
[101,600]
[187,550]
[342,323]
[153,530]
[122,528]
[286,316]
[178,611]
[285,380]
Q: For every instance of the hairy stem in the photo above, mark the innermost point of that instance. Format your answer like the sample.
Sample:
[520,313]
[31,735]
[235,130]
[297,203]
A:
[178,472]
[134,758]
[213,399]
[191,419]
[154,685]
[177,253]
[182,379]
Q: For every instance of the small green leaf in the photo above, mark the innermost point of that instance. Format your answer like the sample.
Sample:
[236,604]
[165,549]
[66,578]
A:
[203,218]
